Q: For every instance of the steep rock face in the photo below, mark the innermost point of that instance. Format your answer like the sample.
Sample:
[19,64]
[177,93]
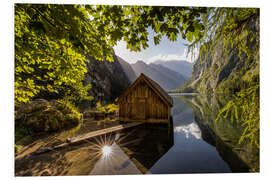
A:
[108,80]
[127,69]
[224,71]
[182,67]
[165,77]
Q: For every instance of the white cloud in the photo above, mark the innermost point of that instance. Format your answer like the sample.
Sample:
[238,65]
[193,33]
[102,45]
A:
[191,129]
[129,56]
[163,52]
[181,57]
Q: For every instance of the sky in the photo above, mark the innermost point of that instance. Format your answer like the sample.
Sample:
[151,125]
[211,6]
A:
[165,51]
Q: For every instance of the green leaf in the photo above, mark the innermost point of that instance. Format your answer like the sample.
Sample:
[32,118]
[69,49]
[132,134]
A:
[189,36]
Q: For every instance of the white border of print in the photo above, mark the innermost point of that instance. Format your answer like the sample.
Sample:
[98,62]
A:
[7,79]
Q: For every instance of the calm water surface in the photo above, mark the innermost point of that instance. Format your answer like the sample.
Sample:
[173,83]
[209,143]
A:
[194,143]
[189,153]
[159,150]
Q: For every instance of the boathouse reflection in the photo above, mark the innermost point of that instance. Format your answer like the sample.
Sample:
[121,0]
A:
[135,150]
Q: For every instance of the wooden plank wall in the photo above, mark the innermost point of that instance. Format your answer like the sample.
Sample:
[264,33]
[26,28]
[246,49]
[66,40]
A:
[155,108]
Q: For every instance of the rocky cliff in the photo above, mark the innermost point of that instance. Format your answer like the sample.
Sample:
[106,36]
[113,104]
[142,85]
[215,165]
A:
[224,71]
[108,80]
[127,69]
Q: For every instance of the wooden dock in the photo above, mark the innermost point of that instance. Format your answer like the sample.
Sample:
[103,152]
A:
[89,135]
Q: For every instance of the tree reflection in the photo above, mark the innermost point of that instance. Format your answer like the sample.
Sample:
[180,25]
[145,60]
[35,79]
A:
[223,134]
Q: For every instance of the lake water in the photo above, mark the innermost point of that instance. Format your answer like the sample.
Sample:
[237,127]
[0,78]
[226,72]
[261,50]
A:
[189,146]
[195,143]
[159,151]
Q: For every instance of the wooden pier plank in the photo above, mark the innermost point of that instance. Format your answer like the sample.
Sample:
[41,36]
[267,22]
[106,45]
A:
[89,135]
[103,131]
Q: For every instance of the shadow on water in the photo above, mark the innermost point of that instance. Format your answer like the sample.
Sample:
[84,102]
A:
[194,144]
[136,150]
[190,153]
[130,151]
[223,134]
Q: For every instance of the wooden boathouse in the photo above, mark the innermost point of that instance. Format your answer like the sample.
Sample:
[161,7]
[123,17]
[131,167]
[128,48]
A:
[145,101]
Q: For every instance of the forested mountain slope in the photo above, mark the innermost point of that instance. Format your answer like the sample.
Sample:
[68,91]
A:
[224,71]
[229,65]
[108,79]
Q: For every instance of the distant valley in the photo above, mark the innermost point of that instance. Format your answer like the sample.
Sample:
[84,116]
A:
[109,80]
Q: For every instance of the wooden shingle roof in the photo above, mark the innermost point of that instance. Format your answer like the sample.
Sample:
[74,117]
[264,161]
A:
[154,85]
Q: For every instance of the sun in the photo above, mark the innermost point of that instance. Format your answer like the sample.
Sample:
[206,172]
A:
[106,151]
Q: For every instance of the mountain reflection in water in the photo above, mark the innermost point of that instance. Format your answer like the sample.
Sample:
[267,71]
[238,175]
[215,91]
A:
[191,146]
[194,144]
[190,153]
[158,150]
[224,134]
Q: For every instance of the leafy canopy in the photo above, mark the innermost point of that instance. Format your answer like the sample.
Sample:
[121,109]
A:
[51,41]
[234,27]
[237,29]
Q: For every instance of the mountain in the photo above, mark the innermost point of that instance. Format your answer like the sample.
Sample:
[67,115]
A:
[173,75]
[228,81]
[167,78]
[127,69]
[225,72]
[182,67]
[108,79]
